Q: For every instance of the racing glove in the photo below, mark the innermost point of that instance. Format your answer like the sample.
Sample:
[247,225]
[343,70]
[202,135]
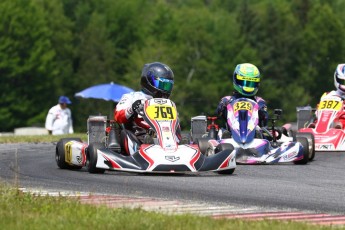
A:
[137,107]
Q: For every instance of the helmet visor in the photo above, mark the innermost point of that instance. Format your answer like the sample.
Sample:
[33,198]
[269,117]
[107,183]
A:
[247,82]
[341,83]
[162,83]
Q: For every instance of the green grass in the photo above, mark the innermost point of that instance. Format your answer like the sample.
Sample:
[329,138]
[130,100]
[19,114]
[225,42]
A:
[39,138]
[24,211]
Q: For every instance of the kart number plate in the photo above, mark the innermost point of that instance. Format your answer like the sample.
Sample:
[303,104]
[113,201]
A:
[243,105]
[161,112]
[330,104]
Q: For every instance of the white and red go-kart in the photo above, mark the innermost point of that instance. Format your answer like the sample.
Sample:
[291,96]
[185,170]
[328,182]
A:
[328,130]
[166,155]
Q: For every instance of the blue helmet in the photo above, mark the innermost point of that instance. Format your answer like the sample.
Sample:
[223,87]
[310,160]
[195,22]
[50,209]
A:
[157,80]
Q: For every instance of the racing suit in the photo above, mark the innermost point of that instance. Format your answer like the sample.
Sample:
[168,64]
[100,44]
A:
[59,121]
[339,121]
[124,115]
[222,112]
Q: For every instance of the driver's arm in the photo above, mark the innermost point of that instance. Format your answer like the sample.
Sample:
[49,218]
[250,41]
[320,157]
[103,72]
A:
[263,114]
[221,110]
[123,110]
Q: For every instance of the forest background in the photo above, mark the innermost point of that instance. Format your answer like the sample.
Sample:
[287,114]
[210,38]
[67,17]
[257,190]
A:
[50,48]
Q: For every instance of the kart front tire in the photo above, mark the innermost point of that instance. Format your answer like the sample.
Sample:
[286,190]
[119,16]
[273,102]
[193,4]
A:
[226,172]
[91,158]
[203,144]
[223,146]
[305,145]
[60,153]
[311,142]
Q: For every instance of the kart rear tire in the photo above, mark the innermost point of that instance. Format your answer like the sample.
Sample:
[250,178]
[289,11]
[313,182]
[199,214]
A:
[91,158]
[311,142]
[203,144]
[60,153]
[305,144]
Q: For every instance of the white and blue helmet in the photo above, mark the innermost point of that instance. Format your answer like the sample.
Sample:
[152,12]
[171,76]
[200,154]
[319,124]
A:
[339,77]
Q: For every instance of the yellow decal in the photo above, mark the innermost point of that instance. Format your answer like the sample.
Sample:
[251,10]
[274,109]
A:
[161,112]
[243,105]
[249,69]
[330,105]
[248,89]
[254,79]
[68,152]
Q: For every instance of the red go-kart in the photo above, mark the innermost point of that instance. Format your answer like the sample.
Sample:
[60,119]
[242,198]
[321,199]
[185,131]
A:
[328,124]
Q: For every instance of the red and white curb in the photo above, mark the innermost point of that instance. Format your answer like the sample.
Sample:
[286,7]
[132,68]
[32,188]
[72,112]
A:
[183,207]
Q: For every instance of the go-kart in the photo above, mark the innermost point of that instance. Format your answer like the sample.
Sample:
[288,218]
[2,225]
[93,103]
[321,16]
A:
[253,145]
[328,129]
[164,153]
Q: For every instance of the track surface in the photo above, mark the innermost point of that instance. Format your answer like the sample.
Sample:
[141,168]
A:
[318,186]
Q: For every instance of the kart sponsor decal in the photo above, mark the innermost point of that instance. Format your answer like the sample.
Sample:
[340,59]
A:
[161,112]
[160,101]
[166,129]
[243,105]
[172,158]
[330,105]
[290,155]
[254,79]
[79,159]
[68,152]
[324,146]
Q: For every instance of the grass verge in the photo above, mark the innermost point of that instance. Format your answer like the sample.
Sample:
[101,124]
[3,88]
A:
[39,138]
[24,211]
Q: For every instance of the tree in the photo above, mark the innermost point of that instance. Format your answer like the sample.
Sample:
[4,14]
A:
[321,49]
[29,62]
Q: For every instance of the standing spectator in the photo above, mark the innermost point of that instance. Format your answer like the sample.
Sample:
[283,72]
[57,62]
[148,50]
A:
[59,118]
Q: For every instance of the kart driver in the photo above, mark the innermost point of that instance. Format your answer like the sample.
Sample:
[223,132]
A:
[157,81]
[339,83]
[246,81]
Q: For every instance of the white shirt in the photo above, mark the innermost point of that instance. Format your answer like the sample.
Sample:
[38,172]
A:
[59,120]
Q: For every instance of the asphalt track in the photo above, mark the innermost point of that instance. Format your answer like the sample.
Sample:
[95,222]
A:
[318,186]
